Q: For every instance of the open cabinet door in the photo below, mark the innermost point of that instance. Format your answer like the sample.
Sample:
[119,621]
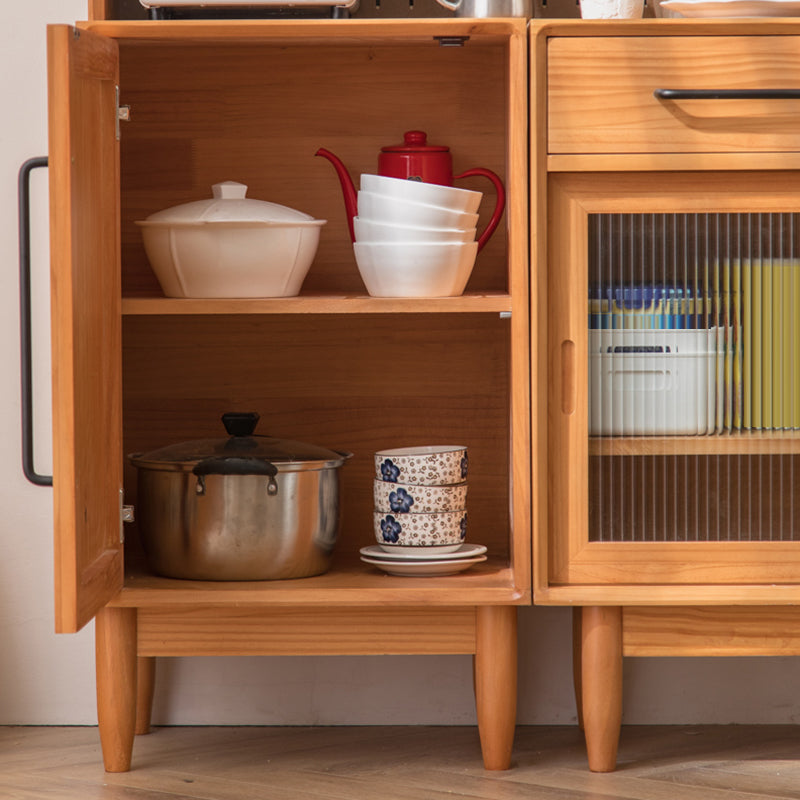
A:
[83,75]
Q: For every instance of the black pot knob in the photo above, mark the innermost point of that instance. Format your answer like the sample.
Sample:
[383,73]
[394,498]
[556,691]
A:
[240,423]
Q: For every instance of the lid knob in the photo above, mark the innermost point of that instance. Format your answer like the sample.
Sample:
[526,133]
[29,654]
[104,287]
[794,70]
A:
[415,138]
[229,190]
[240,423]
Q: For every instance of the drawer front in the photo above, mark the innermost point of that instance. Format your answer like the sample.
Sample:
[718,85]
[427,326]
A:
[600,94]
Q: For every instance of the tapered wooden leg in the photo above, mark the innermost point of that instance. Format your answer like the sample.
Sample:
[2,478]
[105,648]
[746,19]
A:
[496,683]
[601,679]
[145,686]
[577,616]
[115,658]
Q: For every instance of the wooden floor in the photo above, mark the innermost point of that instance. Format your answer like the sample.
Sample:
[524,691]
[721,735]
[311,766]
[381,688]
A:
[401,763]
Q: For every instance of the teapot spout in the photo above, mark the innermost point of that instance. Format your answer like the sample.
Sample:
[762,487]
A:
[348,190]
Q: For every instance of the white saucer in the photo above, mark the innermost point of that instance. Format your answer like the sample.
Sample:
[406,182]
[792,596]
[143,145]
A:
[427,554]
[433,549]
[427,569]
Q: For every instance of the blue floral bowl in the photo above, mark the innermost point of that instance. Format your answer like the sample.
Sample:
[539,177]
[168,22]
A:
[406,498]
[433,465]
[421,530]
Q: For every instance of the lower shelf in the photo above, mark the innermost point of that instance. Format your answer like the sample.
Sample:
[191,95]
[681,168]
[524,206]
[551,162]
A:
[348,583]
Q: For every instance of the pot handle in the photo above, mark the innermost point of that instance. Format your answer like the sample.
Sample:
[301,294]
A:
[235,465]
[499,205]
[453,6]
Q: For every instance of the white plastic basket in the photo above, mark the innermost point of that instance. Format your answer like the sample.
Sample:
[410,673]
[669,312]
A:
[652,382]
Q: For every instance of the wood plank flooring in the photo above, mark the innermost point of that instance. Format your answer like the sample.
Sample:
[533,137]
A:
[401,763]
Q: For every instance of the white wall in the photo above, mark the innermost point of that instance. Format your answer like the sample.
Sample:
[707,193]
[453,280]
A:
[48,679]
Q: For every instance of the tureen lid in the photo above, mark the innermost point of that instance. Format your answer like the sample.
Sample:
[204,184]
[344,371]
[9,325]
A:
[230,204]
[287,455]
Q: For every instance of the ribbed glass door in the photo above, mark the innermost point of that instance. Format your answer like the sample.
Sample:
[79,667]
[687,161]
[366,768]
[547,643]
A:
[694,330]
[673,346]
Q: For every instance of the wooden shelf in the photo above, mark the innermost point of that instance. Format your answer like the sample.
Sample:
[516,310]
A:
[348,583]
[741,442]
[359,32]
[319,304]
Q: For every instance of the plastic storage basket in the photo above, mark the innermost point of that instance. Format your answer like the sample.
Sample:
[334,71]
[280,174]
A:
[652,382]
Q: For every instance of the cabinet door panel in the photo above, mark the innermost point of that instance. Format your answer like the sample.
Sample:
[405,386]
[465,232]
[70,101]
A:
[85,309]
[674,356]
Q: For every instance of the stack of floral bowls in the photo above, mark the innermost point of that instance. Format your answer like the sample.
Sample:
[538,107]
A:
[415,239]
[420,514]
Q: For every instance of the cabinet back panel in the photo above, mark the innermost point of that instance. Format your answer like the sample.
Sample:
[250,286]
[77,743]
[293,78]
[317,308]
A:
[379,381]
[204,114]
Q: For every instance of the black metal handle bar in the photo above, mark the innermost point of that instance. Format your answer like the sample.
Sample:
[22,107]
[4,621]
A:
[26,357]
[727,94]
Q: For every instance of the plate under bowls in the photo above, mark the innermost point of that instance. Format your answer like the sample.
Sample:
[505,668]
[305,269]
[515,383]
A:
[417,554]
[423,569]
[430,549]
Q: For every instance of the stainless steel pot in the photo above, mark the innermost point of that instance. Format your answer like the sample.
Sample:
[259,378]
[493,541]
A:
[243,508]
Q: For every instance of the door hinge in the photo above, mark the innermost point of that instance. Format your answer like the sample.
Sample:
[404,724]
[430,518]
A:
[123,112]
[125,515]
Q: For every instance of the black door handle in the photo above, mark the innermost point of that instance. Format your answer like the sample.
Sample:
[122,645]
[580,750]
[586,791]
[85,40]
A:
[727,94]
[26,356]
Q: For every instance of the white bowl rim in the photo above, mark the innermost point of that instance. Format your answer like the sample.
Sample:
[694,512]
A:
[457,189]
[424,450]
[394,199]
[419,243]
[417,515]
[426,228]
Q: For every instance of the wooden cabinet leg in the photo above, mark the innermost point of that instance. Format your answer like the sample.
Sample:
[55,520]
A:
[601,680]
[496,683]
[115,659]
[145,686]
[577,616]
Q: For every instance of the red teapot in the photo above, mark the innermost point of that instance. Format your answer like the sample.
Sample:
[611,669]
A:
[415,159]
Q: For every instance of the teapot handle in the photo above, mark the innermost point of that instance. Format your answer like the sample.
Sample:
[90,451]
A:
[453,6]
[500,203]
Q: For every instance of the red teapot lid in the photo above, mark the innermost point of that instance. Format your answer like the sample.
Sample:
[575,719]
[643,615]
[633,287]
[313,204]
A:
[415,142]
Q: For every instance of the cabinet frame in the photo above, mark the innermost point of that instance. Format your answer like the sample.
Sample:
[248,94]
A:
[474,613]
[615,616]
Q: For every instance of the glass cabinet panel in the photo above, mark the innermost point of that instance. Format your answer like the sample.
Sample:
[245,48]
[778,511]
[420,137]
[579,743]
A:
[681,307]
[693,332]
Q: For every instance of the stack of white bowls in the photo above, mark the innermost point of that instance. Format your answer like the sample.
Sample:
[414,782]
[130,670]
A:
[420,514]
[415,239]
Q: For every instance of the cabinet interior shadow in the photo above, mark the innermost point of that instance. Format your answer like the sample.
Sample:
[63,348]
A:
[352,382]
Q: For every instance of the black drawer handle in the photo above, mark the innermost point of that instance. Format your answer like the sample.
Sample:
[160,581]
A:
[25,321]
[727,94]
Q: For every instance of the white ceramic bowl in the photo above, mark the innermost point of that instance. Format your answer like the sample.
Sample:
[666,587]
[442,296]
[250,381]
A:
[421,530]
[407,498]
[415,269]
[219,261]
[368,230]
[428,465]
[381,208]
[433,194]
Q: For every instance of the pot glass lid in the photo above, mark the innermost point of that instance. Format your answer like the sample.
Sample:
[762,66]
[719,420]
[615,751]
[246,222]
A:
[286,454]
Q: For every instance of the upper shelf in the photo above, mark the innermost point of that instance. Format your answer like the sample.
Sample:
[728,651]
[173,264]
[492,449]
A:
[361,31]
[498,302]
